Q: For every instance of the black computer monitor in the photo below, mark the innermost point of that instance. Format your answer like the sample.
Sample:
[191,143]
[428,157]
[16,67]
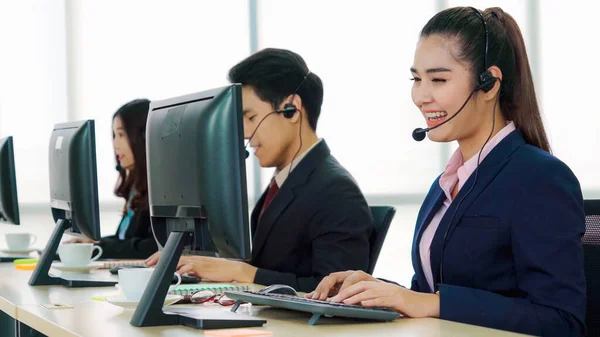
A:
[197,172]
[73,178]
[197,192]
[73,195]
[9,202]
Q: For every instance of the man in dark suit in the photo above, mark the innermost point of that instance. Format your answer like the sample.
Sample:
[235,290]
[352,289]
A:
[312,219]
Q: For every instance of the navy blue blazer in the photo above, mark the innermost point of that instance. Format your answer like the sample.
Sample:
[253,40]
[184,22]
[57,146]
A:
[513,258]
[318,223]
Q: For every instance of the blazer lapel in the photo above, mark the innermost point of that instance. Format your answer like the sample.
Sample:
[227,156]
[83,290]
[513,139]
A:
[284,196]
[256,213]
[488,170]
[431,205]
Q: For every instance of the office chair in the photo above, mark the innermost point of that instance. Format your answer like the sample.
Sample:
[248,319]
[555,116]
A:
[591,257]
[382,216]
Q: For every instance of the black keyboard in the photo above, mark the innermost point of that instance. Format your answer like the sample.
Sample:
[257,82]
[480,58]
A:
[316,307]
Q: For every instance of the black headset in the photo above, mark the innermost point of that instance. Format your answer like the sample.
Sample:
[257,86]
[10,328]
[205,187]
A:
[486,79]
[289,109]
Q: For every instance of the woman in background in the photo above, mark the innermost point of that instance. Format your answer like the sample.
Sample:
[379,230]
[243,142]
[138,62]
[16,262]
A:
[133,239]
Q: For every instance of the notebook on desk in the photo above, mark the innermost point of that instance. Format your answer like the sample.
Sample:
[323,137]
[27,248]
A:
[187,290]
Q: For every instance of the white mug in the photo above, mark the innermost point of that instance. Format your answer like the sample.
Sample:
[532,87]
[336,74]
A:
[19,241]
[133,282]
[78,254]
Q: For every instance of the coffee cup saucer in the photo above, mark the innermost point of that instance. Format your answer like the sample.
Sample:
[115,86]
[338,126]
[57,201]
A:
[90,266]
[17,251]
[123,302]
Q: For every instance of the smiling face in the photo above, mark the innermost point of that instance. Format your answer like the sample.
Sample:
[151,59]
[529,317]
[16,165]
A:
[441,86]
[273,140]
[121,145]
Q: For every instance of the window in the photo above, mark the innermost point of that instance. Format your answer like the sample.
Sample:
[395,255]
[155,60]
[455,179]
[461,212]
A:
[133,49]
[363,57]
[569,85]
[88,62]
[33,93]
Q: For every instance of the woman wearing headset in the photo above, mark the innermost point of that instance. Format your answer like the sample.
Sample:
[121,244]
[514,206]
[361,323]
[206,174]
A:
[133,239]
[498,237]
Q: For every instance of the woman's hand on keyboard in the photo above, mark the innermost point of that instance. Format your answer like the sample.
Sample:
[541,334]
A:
[382,294]
[336,282]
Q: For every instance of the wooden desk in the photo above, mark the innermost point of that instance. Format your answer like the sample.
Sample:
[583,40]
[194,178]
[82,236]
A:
[102,319]
[90,318]
[15,290]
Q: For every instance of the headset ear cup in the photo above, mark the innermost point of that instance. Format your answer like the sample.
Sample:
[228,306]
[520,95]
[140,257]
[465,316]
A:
[289,110]
[486,81]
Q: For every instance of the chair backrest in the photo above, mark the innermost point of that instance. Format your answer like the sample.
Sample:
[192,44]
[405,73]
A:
[591,257]
[382,216]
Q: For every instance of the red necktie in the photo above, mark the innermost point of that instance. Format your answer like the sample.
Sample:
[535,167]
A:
[273,189]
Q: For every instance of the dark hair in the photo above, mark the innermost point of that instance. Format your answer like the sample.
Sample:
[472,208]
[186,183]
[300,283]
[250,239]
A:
[133,116]
[506,51]
[274,74]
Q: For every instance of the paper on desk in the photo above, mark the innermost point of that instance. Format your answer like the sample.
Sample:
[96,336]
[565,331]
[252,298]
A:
[237,333]
[102,297]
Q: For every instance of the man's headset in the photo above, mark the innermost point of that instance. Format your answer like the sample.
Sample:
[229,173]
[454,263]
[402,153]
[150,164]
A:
[288,111]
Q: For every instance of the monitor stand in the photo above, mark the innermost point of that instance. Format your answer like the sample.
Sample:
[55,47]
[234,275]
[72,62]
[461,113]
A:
[40,276]
[149,312]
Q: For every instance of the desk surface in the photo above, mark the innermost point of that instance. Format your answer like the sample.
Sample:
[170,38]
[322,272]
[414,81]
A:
[15,290]
[92,318]
[103,319]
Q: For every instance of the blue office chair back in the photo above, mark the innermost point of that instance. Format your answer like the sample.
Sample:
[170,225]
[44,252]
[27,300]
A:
[382,216]
[591,257]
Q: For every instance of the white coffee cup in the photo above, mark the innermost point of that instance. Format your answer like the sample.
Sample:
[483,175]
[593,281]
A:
[19,241]
[78,254]
[133,282]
